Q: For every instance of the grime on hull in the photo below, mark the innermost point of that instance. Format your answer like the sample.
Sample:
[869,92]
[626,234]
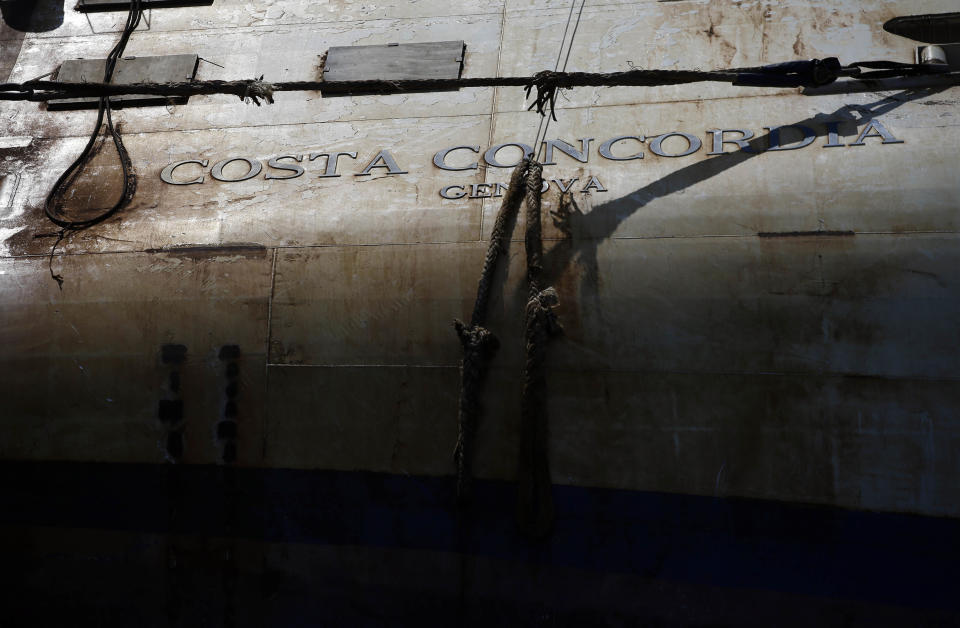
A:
[240,407]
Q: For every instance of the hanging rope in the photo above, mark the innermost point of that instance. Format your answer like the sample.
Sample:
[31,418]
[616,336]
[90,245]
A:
[54,205]
[534,499]
[480,344]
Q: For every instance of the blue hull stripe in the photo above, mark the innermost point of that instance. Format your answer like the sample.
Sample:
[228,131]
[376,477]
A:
[886,558]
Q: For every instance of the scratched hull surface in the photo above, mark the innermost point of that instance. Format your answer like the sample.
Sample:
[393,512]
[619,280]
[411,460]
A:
[753,408]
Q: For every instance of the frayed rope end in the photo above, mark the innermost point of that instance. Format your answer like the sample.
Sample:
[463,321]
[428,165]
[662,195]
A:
[257,89]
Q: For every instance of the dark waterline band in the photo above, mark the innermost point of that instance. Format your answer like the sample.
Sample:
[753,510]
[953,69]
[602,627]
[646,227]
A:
[894,559]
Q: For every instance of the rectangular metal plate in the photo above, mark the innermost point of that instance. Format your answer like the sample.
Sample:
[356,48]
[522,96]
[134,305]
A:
[90,6]
[427,60]
[165,69]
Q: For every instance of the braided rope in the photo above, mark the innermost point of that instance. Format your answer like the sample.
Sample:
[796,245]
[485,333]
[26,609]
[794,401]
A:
[535,513]
[811,73]
[480,344]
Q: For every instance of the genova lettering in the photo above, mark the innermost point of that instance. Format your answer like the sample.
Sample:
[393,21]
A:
[620,148]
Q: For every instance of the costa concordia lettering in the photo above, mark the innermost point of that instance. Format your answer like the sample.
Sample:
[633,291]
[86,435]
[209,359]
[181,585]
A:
[384,159]
[394,349]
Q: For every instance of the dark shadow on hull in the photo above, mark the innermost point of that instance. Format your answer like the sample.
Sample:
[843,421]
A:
[143,545]
[588,231]
[32,16]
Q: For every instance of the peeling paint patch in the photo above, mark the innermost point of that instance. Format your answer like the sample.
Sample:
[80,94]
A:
[6,234]
[18,141]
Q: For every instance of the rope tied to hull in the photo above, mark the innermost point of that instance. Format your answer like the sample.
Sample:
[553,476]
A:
[534,500]
[804,73]
[256,90]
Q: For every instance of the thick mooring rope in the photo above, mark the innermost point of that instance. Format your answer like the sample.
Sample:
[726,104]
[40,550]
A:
[479,343]
[534,501]
[807,73]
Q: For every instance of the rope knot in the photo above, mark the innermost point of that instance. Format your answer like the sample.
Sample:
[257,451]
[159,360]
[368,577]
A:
[546,83]
[535,513]
[479,345]
[257,89]
[476,340]
[540,314]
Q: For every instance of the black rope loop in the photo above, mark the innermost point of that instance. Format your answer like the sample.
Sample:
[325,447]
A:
[53,206]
